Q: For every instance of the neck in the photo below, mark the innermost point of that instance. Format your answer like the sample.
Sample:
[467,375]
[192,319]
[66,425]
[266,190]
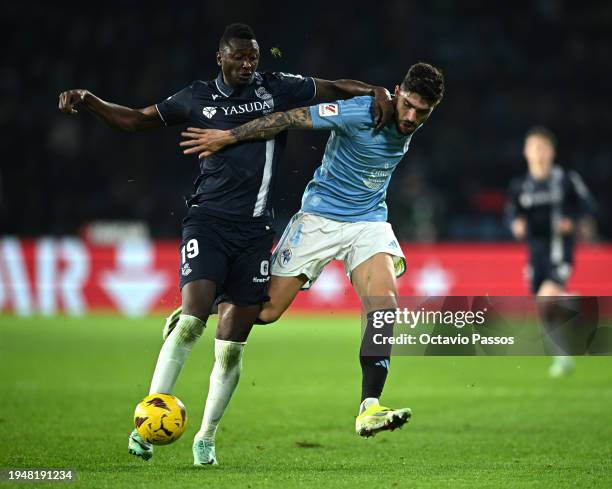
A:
[227,82]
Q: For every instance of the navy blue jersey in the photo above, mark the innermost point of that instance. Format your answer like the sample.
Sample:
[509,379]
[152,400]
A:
[237,182]
[542,203]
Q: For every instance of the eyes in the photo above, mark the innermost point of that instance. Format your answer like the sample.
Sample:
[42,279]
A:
[419,111]
[251,58]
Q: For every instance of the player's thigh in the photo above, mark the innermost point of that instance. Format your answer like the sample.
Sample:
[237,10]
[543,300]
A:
[307,245]
[204,266]
[198,297]
[235,322]
[248,274]
[373,261]
[281,292]
[375,283]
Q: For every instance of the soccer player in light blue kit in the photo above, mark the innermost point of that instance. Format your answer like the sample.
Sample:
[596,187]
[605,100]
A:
[344,215]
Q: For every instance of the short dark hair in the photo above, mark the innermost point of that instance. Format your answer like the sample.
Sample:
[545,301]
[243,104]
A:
[543,132]
[235,31]
[426,80]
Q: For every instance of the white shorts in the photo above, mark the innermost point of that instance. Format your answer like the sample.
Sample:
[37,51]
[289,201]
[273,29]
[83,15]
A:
[310,242]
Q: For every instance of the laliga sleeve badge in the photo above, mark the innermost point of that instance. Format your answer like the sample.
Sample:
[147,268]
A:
[328,110]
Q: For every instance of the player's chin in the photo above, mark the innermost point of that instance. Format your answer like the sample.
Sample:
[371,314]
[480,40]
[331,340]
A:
[244,79]
[406,129]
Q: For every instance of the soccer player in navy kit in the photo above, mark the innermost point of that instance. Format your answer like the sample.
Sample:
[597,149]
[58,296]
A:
[544,208]
[344,214]
[226,235]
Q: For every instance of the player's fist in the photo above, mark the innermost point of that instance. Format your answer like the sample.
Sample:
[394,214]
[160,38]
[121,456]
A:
[519,227]
[69,99]
[384,110]
[565,225]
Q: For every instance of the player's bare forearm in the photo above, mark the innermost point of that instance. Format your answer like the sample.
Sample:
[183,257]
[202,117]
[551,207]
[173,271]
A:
[269,126]
[122,117]
[114,115]
[384,109]
[206,142]
[342,89]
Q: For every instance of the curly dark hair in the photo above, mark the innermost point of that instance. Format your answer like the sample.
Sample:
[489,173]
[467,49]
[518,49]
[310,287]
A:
[236,31]
[426,80]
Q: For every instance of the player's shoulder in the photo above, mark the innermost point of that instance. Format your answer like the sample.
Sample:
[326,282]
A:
[357,112]
[573,178]
[202,85]
[362,103]
[277,79]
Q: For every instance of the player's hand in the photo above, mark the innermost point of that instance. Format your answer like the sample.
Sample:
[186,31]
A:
[565,225]
[205,142]
[383,108]
[519,228]
[69,99]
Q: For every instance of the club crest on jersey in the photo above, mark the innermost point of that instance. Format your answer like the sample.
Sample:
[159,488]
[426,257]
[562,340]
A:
[263,94]
[209,111]
[327,110]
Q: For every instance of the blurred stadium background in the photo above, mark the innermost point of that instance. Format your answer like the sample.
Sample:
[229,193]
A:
[507,68]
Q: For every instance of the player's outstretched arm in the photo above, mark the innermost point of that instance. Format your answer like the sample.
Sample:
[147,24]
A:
[114,115]
[384,109]
[205,142]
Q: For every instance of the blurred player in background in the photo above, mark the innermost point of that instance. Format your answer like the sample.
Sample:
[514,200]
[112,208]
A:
[227,234]
[344,214]
[545,209]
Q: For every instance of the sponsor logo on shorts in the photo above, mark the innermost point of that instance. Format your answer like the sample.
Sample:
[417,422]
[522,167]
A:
[285,256]
[393,244]
[260,280]
[185,270]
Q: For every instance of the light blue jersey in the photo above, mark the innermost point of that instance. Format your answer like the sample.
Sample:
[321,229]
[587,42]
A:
[351,183]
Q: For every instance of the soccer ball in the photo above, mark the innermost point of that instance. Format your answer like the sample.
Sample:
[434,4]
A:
[160,418]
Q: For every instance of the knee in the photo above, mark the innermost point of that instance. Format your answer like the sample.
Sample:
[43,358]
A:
[550,289]
[196,310]
[269,315]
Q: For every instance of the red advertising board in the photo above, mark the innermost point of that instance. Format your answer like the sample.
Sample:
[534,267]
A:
[69,275]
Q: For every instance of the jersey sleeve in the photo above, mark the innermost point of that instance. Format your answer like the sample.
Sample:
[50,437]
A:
[581,201]
[342,115]
[176,108]
[300,90]
[513,204]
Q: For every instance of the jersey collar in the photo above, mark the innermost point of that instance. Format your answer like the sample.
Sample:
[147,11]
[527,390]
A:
[226,90]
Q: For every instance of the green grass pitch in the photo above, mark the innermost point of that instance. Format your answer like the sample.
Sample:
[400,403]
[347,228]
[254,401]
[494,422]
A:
[69,387]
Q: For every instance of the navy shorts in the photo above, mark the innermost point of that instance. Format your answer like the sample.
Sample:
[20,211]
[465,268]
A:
[234,255]
[548,263]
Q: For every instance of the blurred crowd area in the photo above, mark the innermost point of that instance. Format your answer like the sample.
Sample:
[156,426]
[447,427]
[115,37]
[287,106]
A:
[508,67]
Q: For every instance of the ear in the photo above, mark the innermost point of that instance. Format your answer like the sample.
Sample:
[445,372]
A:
[397,91]
[218,58]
